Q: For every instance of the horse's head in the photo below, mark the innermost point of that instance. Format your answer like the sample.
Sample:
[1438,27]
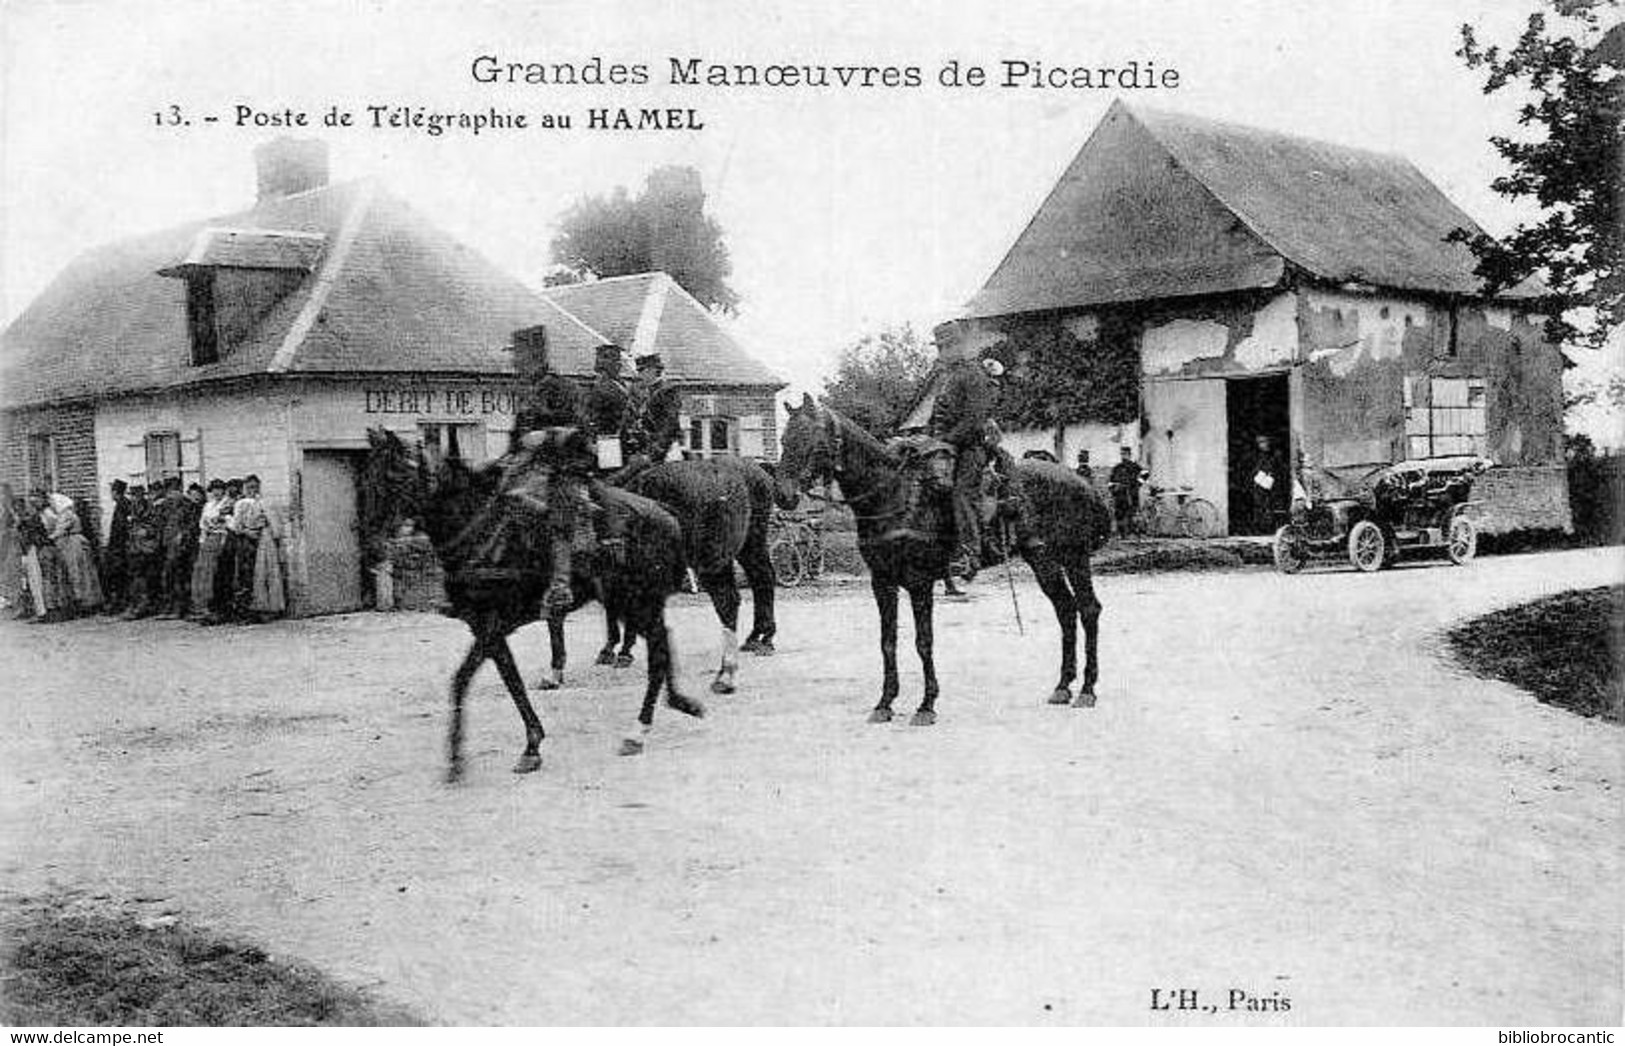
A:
[456,495]
[808,450]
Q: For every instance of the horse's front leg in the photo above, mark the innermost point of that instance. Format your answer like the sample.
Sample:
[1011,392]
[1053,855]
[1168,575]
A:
[886,602]
[920,599]
[1089,612]
[1052,579]
[724,593]
[531,758]
[555,643]
[459,689]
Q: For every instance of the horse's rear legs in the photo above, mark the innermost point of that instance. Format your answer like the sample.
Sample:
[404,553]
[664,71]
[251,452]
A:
[1089,613]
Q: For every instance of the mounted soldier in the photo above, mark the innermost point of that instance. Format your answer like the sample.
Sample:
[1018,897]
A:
[653,420]
[961,418]
[550,462]
[608,408]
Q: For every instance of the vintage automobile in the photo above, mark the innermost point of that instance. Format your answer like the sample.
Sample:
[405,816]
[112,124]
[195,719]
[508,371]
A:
[1392,510]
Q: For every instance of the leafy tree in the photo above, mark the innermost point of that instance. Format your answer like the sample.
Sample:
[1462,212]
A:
[1054,378]
[878,379]
[663,228]
[1573,74]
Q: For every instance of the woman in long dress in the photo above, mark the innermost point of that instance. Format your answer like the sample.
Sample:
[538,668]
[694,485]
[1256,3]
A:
[68,534]
[47,580]
[256,522]
[11,553]
[212,526]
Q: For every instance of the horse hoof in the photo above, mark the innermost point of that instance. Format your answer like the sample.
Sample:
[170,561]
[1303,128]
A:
[880,715]
[722,686]
[550,682]
[606,657]
[923,717]
[759,647]
[528,763]
[685,705]
[630,746]
[1060,696]
[1085,698]
[623,660]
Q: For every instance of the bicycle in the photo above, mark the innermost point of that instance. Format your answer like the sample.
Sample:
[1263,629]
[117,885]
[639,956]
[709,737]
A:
[796,548]
[1176,512]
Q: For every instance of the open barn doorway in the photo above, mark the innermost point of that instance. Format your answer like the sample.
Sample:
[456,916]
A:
[1256,407]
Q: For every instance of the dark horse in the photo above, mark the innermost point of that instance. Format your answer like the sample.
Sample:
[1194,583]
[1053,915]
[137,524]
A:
[495,593]
[723,506]
[912,554]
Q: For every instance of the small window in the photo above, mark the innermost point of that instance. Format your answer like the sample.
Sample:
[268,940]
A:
[42,466]
[163,456]
[200,320]
[464,442]
[1451,422]
[710,437]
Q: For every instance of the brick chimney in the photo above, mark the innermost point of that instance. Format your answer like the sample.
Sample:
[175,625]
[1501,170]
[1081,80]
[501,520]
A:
[290,165]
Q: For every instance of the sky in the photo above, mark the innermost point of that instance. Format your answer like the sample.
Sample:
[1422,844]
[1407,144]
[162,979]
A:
[845,210]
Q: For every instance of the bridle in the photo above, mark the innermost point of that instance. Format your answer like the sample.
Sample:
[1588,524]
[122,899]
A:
[835,448]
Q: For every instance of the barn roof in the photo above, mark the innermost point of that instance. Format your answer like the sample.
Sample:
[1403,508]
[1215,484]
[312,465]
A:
[1159,205]
[380,290]
[651,312]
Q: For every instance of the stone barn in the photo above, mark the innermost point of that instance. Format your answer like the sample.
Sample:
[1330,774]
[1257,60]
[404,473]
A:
[1246,283]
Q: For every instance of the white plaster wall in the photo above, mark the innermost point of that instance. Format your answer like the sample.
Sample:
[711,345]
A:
[1380,325]
[1167,347]
[1102,442]
[1196,455]
[1274,340]
[242,432]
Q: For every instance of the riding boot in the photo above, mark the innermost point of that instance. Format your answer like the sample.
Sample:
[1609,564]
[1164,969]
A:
[560,594]
[609,522]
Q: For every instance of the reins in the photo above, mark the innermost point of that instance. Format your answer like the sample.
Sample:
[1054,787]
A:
[832,430]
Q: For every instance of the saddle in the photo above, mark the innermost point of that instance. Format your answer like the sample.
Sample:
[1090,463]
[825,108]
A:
[924,459]
[926,468]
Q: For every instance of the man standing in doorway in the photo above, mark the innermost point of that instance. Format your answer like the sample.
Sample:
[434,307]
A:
[1268,484]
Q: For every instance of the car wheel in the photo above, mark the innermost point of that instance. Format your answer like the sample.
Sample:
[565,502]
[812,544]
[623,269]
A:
[1367,546]
[1289,551]
[1463,544]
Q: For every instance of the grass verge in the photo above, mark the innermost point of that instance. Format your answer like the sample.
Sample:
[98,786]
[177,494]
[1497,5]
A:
[1564,649]
[60,967]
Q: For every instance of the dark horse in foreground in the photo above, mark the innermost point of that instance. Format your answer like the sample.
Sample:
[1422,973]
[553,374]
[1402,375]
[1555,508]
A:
[498,588]
[913,554]
[722,506]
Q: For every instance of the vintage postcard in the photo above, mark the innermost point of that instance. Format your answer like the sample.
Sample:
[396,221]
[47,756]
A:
[1009,513]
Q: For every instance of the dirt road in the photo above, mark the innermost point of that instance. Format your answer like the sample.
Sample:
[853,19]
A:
[1285,791]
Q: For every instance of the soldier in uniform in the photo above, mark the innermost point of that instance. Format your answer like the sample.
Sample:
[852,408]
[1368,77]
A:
[960,418]
[659,409]
[551,462]
[608,407]
[548,399]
